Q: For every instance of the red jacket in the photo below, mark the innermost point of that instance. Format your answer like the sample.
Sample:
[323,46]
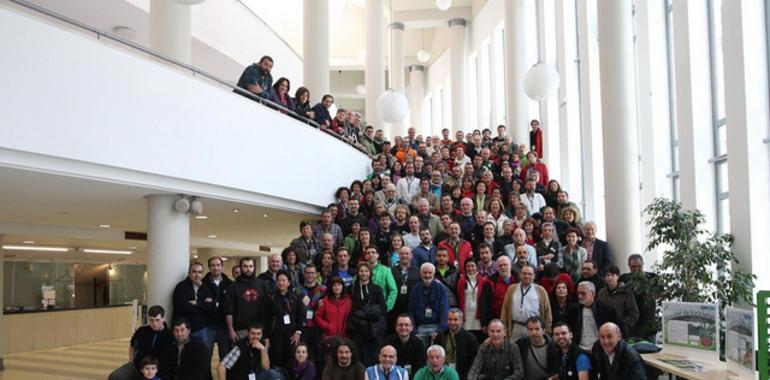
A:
[483,301]
[464,251]
[547,283]
[332,316]
[539,166]
[499,288]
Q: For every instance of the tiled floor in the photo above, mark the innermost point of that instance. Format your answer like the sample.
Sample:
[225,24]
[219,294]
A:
[81,362]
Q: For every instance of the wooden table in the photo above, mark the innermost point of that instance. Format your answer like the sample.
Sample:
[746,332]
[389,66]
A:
[714,370]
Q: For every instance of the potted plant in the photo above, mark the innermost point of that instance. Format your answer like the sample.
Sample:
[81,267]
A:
[697,265]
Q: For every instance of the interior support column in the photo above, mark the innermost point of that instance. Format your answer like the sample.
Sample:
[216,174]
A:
[315,54]
[168,249]
[170,29]
[374,73]
[457,73]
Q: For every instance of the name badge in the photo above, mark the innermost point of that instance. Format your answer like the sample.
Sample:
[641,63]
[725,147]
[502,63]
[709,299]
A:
[403,289]
[408,368]
[252,376]
[451,365]
[428,312]
[309,314]
[286,319]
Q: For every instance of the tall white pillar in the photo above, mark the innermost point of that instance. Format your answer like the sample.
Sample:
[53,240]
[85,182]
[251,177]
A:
[616,60]
[168,248]
[315,38]
[170,29]
[457,73]
[396,67]
[748,133]
[2,305]
[515,69]
[416,95]
[374,74]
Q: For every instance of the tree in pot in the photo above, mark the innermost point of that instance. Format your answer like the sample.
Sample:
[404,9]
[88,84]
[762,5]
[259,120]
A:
[697,265]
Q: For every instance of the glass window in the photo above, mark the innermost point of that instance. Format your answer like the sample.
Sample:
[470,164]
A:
[724,212]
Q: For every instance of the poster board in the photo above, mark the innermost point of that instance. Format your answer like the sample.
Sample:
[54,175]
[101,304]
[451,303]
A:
[739,342]
[691,329]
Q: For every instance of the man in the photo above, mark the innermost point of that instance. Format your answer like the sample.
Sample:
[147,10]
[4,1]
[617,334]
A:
[436,184]
[575,362]
[447,273]
[453,178]
[194,302]
[408,186]
[426,194]
[460,345]
[598,250]
[501,281]
[409,349]
[445,219]
[353,216]
[476,233]
[640,281]
[344,365]
[342,268]
[589,272]
[387,368]
[412,238]
[547,248]
[563,202]
[311,292]
[534,201]
[306,246]
[498,358]
[523,301]
[274,264]
[614,358]
[458,249]
[382,276]
[506,182]
[534,165]
[248,359]
[184,358]
[429,304]
[321,111]
[218,283]
[489,237]
[391,199]
[246,301]
[425,252]
[406,275]
[427,219]
[500,138]
[327,226]
[379,141]
[536,137]
[461,159]
[445,140]
[619,297]
[381,238]
[539,354]
[486,266]
[522,260]
[466,219]
[146,341]
[339,122]
[367,140]
[591,314]
[256,78]
[436,369]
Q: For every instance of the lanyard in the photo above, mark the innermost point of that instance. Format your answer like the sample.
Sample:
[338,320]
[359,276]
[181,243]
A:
[524,293]
[387,375]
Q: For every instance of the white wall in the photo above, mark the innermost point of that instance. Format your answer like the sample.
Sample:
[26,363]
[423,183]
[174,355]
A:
[438,85]
[70,96]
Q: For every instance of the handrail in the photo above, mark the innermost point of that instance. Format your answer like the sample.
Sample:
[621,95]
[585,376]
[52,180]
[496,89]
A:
[194,70]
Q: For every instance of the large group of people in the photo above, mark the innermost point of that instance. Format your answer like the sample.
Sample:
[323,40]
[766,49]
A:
[454,259]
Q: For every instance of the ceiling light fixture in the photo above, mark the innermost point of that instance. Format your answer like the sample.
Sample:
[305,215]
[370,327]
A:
[443,5]
[196,206]
[35,248]
[213,236]
[105,226]
[29,242]
[201,217]
[236,210]
[125,32]
[266,215]
[107,251]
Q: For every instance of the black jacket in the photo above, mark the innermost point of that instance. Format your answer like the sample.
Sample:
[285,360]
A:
[553,356]
[191,365]
[199,315]
[283,306]
[568,370]
[367,316]
[220,293]
[602,255]
[627,364]
[466,347]
[148,342]
[411,353]
[402,300]
[248,301]
[602,314]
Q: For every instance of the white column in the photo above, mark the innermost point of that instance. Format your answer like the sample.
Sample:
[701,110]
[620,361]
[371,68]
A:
[396,67]
[416,96]
[621,189]
[315,45]
[170,29]
[374,74]
[2,305]
[457,66]
[515,69]
[748,147]
[168,248]
[693,107]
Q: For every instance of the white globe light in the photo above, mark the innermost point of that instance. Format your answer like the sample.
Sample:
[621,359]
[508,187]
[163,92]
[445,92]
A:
[392,106]
[182,205]
[541,81]
[196,207]
[189,2]
[443,4]
[361,89]
[423,55]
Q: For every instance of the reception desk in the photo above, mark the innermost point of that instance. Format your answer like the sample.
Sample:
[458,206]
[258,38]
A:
[37,330]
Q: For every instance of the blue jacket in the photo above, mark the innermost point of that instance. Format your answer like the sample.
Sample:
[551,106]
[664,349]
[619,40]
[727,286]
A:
[396,373]
[433,297]
[422,255]
[321,114]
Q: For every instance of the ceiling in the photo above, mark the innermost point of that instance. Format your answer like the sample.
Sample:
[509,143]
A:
[66,211]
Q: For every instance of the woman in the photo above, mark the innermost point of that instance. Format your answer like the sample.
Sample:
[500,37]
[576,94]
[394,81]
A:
[302,106]
[551,193]
[292,267]
[457,196]
[480,199]
[391,260]
[572,256]
[351,240]
[326,266]
[300,368]
[288,316]
[496,215]
[521,215]
[367,204]
[467,187]
[356,190]
[563,304]
[488,179]
[474,297]
[396,171]
[343,197]
[280,94]
[367,320]
[332,317]
[374,219]
[530,226]
[571,216]
[364,240]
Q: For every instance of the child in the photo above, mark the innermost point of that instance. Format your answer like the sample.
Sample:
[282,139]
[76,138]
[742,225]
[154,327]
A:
[149,368]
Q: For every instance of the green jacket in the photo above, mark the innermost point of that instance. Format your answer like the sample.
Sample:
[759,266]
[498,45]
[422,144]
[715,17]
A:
[447,373]
[383,276]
